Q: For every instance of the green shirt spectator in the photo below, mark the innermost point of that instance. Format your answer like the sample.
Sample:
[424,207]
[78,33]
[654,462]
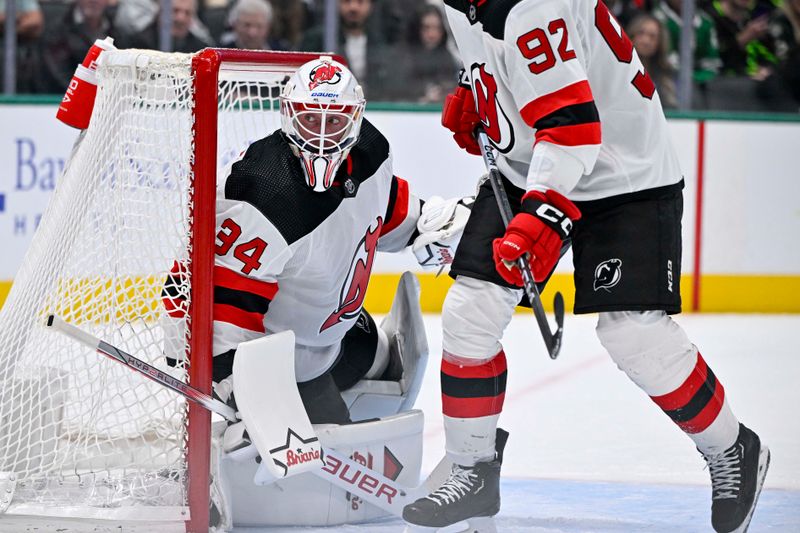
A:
[706,49]
[745,45]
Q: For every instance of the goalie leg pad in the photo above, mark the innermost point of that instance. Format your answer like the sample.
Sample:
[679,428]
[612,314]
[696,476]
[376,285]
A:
[284,437]
[397,388]
[391,446]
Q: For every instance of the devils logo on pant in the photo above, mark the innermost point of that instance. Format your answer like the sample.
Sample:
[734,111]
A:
[354,288]
[607,274]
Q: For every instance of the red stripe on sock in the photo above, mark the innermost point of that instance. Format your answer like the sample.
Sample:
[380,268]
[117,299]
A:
[681,396]
[490,369]
[709,413]
[472,407]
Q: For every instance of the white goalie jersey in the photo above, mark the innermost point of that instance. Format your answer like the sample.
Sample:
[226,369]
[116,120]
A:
[563,96]
[290,258]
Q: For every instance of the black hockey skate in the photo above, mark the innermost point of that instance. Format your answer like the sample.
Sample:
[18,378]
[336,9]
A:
[737,475]
[469,492]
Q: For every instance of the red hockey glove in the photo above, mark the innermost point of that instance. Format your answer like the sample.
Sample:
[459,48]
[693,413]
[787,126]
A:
[539,230]
[460,117]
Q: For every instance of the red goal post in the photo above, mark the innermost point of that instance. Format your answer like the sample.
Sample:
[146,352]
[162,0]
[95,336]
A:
[133,211]
[206,66]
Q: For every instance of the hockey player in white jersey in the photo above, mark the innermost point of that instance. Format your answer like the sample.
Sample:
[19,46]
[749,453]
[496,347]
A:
[299,220]
[586,155]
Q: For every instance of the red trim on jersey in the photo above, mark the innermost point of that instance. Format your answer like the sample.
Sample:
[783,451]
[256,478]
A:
[472,407]
[237,317]
[578,93]
[400,210]
[681,396]
[225,277]
[577,135]
[176,308]
[489,369]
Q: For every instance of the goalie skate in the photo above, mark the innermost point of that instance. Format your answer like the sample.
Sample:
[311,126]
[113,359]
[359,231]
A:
[469,493]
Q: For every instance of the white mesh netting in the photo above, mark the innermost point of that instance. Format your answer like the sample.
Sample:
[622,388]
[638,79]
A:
[81,433]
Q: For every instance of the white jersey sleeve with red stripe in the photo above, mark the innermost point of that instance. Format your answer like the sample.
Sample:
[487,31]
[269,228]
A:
[563,96]
[401,218]
[250,255]
[552,93]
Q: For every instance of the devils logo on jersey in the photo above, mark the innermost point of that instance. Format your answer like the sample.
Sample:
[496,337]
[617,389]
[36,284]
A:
[355,284]
[607,274]
[325,73]
[493,116]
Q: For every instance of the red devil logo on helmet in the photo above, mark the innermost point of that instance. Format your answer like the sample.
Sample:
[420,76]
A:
[324,73]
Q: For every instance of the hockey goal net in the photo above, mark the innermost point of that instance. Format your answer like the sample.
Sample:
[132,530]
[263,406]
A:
[82,436]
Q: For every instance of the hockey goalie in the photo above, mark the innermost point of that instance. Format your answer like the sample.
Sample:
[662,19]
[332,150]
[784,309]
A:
[299,219]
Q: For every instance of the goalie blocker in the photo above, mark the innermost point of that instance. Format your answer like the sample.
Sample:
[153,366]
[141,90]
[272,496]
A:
[388,438]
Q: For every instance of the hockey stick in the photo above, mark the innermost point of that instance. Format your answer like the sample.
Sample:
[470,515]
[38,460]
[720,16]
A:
[339,469]
[552,340]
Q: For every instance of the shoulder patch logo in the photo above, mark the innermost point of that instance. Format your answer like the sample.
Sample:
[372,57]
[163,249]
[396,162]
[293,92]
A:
[607,274]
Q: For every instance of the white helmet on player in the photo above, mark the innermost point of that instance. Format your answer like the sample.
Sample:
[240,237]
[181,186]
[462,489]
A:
[322,105]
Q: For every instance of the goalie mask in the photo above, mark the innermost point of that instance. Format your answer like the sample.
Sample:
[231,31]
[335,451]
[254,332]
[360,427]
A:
[322,105]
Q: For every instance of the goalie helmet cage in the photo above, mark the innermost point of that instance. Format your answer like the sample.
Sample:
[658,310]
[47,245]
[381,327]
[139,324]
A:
[125,250]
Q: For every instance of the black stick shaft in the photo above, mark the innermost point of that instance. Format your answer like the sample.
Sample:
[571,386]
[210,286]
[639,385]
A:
[551,341]
[160,377]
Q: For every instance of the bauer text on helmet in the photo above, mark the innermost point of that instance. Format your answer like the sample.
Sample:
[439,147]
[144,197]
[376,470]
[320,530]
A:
[321,111]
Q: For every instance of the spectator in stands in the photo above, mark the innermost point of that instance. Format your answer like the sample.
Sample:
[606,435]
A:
[392,18]
[745,45]
[652,46]
[133,16]
[368,56]
[30,21]
[251,23]
[626,10]
[65,45]
[290,19]
[785,29]
[188,33]
[29,25]
[704,43]
[432,68]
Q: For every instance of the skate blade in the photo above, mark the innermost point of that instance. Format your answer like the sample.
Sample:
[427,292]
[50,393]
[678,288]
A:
[473,525]
[763,466]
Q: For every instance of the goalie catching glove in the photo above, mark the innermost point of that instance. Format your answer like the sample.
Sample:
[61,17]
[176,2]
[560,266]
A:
[543,223]
[440,226]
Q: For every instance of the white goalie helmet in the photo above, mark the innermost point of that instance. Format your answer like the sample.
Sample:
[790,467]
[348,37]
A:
[322,106]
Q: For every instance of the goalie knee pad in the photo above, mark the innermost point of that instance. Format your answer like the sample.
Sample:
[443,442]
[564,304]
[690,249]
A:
[393,380]
[474,316]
